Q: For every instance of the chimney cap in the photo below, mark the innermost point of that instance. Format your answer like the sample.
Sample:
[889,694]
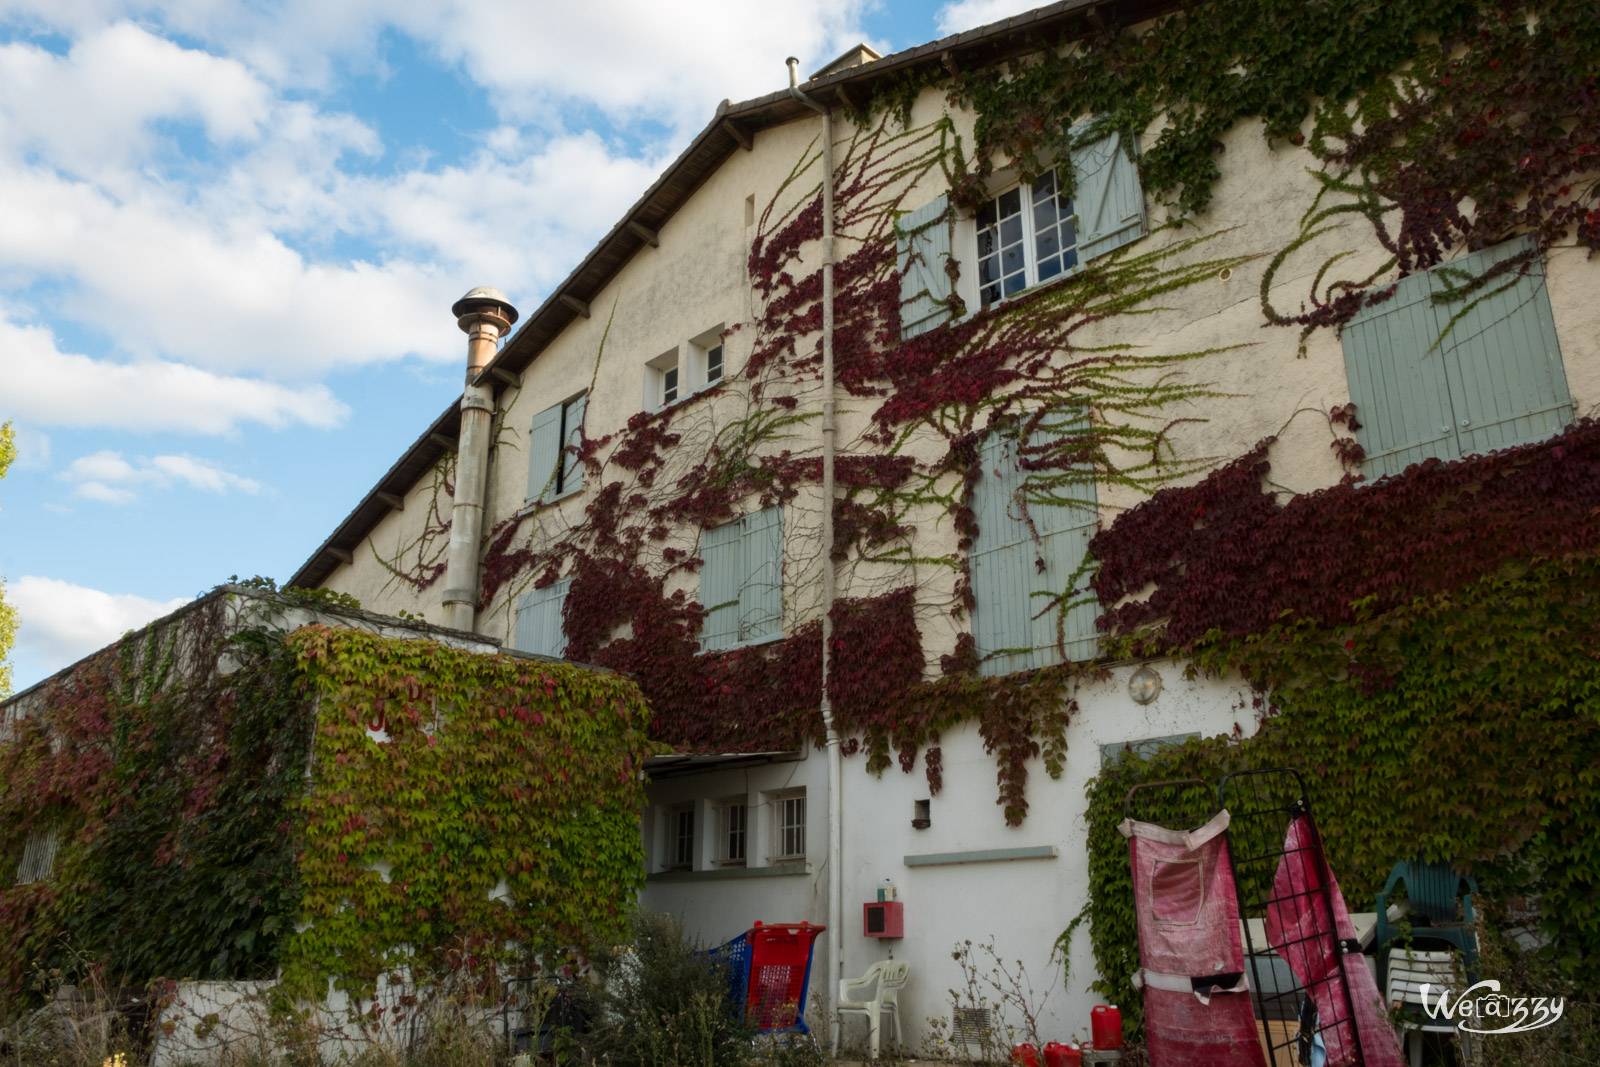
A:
[484,297]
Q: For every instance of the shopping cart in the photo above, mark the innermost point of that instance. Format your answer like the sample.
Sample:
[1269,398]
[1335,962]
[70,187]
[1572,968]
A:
[769,969]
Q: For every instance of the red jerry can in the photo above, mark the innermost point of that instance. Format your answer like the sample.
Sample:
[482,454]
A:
[1025,1056]
[1107,1026]
[1058,1055]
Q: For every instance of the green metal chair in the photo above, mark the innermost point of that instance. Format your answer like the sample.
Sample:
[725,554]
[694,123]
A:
[1431,891]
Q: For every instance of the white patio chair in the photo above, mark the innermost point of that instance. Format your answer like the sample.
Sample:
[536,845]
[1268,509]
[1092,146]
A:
[1408,970]
[884,979]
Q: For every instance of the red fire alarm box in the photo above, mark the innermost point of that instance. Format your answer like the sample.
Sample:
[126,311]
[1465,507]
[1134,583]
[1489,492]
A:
[884,918]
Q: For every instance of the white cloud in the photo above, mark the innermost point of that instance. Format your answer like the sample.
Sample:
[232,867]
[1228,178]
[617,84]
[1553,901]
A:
[631,58]
[52,388]
[94,106]
[107,477]
[60,622]
[970,14]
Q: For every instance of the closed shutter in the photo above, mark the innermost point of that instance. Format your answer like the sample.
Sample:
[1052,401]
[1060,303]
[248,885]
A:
[1427,383]
[761,593]
[1398,381]
[1107,196]
[1507,384]
[544,452]
[721,574]
[1012,626]
[922,250]
[539,620]
[572,467]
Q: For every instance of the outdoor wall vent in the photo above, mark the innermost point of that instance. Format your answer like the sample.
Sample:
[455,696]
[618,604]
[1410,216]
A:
[970,1026]
[38,857]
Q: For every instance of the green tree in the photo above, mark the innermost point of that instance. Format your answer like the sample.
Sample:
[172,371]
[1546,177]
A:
[8,614]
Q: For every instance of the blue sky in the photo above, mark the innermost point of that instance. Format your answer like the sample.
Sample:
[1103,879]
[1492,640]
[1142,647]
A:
[232,233]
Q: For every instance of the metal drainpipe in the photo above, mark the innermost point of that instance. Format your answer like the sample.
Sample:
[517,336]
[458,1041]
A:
[485,315]
[835,756]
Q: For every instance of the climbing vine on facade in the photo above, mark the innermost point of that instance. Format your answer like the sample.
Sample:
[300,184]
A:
[221,798]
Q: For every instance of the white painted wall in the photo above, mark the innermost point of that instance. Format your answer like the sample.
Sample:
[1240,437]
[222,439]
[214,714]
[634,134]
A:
[1022,905]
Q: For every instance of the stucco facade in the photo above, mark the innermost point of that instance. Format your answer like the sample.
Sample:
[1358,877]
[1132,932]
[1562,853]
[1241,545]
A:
[967,875]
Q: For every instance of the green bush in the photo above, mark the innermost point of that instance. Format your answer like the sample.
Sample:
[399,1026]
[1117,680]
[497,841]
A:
[663,1004]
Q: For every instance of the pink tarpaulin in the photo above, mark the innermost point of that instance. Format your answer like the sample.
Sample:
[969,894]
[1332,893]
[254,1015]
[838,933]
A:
[1310,931]
[1197,1010]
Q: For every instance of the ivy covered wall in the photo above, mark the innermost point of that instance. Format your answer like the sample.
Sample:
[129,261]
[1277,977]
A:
[226,798]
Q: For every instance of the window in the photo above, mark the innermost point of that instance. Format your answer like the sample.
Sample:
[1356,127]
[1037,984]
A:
[1433,376]
[680,838]
[661,380]
[741,580]
[734,844]
[1024,560]
[38,857]
[1143,748]
[790,830]
[1025,235]
[1024,239]
[554,470]
[684,370]
[539,620]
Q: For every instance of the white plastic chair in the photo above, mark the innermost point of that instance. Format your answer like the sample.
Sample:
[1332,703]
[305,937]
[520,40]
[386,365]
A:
[1408,970]
[886,978]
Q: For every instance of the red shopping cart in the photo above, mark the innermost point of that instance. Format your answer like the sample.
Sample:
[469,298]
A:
[770,972]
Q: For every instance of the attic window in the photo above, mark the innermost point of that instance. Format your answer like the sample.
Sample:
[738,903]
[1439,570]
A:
[858,56]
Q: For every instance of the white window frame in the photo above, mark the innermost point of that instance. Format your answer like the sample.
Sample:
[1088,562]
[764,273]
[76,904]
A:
[1033,224]
[733,827]
[785,831]
[685,369]
[677,842]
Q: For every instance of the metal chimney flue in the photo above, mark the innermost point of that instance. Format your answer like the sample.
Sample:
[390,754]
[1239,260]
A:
[485,315]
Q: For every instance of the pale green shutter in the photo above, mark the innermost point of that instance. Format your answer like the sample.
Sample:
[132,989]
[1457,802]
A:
[544,452]
[761,592]
[1507,383]
[539,620]
[999,562]
[721,575]
[1398,381]
[572,467]
[1013,623]
[1107,197]
[922,250]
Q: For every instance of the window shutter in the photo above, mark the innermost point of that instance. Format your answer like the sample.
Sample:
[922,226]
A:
[572,467]
[1398,382]
[1507,383]
[539,620]
[922,248]
[1107,197]
[1004,564]
[721,574]
[544,450]
[761,594]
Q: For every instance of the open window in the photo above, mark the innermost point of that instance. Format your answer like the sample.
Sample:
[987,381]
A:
[1025,234]
[554,470]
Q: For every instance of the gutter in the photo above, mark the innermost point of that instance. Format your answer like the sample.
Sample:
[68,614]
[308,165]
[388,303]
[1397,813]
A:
[835,754]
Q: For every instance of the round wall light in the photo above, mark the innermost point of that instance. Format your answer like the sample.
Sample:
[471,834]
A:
[1145,685]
